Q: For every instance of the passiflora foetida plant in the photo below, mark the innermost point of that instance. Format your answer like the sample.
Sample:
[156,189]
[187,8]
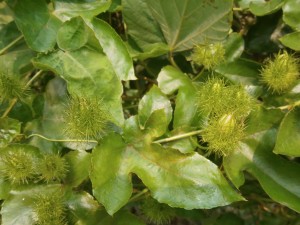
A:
[147,112]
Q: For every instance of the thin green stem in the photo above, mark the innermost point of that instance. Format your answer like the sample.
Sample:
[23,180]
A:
[199,74]
[61,140]
[237,9]
[9,108]
[10,44]
[177,137]
[297,103]
[33,78]
[172,61]
[138,195]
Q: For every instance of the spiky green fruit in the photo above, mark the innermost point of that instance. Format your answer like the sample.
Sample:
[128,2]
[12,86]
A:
[11,87]
[281,73]
[52,168]
[209,56]
[157,213]
[86,118]
[49,209]
[223,134]
[216,98]
[18,167]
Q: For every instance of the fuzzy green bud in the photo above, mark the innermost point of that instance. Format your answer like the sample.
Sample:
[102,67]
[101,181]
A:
[216,98]
[18,167]
[157,213]
[281,73]
[11,87]
[209,56]
[86,118]
[49,209]
[223,134]
[52,168]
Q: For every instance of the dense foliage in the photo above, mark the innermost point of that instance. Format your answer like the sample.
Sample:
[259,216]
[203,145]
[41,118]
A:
[149,112]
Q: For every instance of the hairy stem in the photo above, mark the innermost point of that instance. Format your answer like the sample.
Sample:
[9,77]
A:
[177,137]
[61,140]
[10,44]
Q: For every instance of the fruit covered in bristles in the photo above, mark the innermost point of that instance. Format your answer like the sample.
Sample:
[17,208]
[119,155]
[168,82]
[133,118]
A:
[49,209]
[11,87]
[86,118]
[216,98]
[17,166]
[281,73]
[157,213]
[52,167]
[210,55]
[223,135]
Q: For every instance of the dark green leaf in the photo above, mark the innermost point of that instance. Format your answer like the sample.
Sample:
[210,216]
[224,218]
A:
[288,138]
[72,35]
[185,181]
[180,24]
[8,33]
[114,48]
[291,40]
[234,47]
[66,9]
[241,71]
[122,218]
[36,22]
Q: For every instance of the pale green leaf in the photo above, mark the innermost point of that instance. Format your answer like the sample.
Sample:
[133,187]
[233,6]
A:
[291,13]
[262,7]
[184,181]
[78,167]
[114,48]
[67,9]
[152,101]
[72,35]
[291,40]
[87,72]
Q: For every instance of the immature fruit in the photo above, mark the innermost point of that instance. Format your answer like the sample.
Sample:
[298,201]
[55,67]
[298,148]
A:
[11,87]
[157,213]
[216,98]
[209,56]
[17,166]
[52,168]
[86,118]
[49,209]
[281,73]
[223,134]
